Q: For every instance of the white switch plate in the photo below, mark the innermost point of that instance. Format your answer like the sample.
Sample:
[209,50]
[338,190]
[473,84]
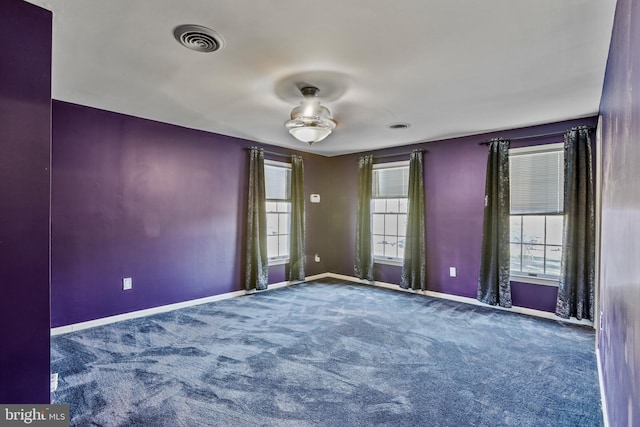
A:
[452,272]
[127,283]
[315,198]
[317,258]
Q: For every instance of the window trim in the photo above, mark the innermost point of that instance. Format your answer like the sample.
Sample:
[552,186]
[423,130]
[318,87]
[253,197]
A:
[278,260]
[381,259]
[535,280]
[398,262]
[523,277]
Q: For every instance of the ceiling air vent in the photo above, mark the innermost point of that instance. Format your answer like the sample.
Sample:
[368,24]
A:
[198,38]
[398,126]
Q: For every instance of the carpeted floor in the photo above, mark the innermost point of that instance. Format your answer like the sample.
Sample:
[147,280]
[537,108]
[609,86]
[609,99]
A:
[330,353]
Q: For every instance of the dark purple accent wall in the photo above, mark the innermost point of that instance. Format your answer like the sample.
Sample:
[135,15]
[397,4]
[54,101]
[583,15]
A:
[162,204]
[619,338]
[25,123]
[454,172]
[537,297]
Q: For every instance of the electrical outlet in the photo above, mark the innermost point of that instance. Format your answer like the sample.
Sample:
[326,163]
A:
[54,382]
[452,272]
[601,320]
[127,283]
[317,258]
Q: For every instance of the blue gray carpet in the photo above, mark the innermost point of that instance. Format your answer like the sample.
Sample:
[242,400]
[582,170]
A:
[330,353]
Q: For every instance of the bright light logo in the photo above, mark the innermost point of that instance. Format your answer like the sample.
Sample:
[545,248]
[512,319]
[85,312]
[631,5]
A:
[36,415]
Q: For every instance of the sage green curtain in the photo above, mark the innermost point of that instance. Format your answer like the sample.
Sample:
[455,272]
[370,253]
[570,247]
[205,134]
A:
[414,263]
[297,256]
[493,282]
[256,274]
[576,290]
[364,256]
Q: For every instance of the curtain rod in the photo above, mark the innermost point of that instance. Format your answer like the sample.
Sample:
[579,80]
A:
[540,135]
[404,153]
[274,153]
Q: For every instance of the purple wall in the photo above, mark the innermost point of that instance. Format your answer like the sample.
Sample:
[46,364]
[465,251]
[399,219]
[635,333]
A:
[165,205]
[454,186]
[317,214]
[619,340]
[162,204]
[25,121]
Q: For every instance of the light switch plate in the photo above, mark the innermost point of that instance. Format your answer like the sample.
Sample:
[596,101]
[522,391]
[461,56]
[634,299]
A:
[127,283]
[452,272]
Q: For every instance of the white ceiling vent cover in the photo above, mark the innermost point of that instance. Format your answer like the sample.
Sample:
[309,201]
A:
[198,38]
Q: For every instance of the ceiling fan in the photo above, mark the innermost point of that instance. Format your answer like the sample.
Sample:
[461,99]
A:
[310,122]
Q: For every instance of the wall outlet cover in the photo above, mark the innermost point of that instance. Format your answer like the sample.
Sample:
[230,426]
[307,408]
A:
[127,283]
[54,382]
[452,272]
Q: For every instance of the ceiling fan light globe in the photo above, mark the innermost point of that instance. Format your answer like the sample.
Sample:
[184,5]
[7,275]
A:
[310,134]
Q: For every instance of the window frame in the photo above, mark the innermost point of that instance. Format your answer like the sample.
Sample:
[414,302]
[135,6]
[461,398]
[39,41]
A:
[523,277]
[278,260]
[380,259]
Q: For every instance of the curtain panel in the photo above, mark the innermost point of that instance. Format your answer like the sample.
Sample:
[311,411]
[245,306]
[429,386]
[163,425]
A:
[297,257]
[414,263]
[576,290]
[493,283]
[257,263]
[364,256]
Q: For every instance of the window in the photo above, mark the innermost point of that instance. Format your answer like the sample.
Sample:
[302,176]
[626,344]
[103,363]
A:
[277,177]
[389,210]
[537,197]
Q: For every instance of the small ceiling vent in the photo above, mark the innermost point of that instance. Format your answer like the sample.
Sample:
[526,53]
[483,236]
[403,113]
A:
[398,126]
[198,38]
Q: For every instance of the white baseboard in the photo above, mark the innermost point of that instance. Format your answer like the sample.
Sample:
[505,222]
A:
[170,307]
[603,396]
[316,277]
[164,308]
[466,300]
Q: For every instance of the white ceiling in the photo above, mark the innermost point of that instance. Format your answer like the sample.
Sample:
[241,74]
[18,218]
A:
[447,67]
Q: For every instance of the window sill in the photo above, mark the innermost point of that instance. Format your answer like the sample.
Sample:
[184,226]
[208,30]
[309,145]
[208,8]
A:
[534,280]
[392,261]
[278,261]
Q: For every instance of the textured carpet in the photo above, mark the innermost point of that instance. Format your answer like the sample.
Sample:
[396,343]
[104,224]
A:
[330,353]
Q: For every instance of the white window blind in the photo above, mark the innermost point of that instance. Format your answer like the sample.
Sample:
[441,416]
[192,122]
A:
[277,182]
[537,182]
[390,182]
